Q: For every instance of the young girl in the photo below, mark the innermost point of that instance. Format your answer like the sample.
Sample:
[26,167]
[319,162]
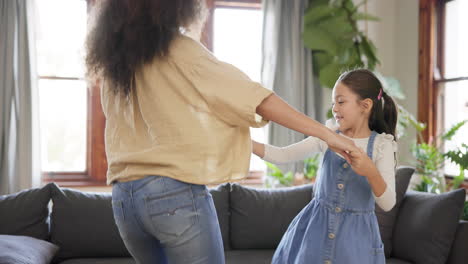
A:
[339,224]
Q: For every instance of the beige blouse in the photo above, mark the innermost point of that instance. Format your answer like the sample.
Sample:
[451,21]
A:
[188,119]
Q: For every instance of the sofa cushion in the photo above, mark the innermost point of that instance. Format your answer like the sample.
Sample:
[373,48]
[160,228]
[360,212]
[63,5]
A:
[221,200]
[99,261]
[26,213]
[396,261]
[387,219]
[249,256]
[25,250]
[82,225]
[259,217]
[459,252]
[426,225]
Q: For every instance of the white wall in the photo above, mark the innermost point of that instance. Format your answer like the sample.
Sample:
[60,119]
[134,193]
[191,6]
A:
[396,39]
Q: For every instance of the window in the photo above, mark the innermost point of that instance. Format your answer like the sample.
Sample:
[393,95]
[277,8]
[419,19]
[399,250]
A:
[72,122]
[443,86]
[453,82]
[238,42]
[69,111]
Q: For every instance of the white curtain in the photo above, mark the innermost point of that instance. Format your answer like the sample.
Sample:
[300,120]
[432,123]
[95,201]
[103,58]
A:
[19,133]
[287,67]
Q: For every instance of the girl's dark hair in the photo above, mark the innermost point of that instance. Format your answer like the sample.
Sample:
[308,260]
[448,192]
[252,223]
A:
[366,85]
[129,33]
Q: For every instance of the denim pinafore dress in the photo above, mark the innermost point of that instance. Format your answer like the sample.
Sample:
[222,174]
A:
[339,225]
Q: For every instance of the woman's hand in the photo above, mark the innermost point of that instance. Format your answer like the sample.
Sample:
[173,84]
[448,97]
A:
[341,145]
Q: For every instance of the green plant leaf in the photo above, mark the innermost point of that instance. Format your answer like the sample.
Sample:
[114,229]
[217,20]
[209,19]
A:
[317,13]
[453,130]
[406,119]
[319,39]
[311,167]
[321,59]
[459,156]
[370,52]
[465,211]
[391,85]
[315,3]
[329,74]
[329,113]
[429,160]
[365,16]
[457,180]
[275,171]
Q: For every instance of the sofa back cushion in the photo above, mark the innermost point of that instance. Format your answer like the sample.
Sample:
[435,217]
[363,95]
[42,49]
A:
[259,217]
[458,253]
[426,225]
[387,219]
[220,196]
[26,213]
[82,225]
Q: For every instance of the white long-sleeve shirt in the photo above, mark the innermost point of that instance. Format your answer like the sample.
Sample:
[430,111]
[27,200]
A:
[383,158]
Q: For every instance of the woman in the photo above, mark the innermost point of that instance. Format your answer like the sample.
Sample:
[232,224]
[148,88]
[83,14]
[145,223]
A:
[177,120]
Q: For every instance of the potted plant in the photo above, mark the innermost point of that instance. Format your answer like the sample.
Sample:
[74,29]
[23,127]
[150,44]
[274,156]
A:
[430,160]
[459,156]
[465,211]
[277,178]
[311,166]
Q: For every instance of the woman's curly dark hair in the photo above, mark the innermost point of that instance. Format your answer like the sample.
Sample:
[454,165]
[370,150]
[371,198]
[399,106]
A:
[126,34]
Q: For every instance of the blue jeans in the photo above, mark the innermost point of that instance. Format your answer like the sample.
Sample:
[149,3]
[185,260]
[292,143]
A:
[162,220]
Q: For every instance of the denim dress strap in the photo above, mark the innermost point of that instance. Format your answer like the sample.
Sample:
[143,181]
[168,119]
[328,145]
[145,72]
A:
[370,144]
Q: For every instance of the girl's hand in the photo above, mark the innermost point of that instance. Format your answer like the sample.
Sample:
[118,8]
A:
[341,145]
[362,164]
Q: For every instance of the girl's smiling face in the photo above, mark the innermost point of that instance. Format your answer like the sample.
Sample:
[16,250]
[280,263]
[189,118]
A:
[347,109]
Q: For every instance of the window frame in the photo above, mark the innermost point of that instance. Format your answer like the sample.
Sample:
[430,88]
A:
[207,34]
[96,161]
[253,177]
[431,63]
[431,75]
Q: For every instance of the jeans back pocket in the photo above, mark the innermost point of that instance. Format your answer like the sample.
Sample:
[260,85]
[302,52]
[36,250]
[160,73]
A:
[171,215]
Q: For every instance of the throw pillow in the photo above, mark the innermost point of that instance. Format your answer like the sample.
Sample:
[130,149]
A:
[387,219]
[25,250]
[426,225]
[82,225]
[221,201]
[26,213]
[252,212]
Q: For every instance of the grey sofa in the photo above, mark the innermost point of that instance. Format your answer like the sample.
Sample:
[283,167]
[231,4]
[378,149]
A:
[422,228]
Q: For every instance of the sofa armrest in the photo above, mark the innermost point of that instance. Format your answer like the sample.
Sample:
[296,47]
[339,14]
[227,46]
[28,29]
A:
[458,253]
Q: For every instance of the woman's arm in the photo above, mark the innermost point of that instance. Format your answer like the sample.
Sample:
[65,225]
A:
[275,109]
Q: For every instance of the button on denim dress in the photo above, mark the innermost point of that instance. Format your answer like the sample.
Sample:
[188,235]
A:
[339,225]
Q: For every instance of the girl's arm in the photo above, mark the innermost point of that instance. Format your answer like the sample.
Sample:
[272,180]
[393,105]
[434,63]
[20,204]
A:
[291,153]
[381,175]
[258,149]
[275,109]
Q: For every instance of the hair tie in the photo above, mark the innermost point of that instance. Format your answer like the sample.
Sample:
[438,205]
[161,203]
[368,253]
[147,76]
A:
[380,94]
